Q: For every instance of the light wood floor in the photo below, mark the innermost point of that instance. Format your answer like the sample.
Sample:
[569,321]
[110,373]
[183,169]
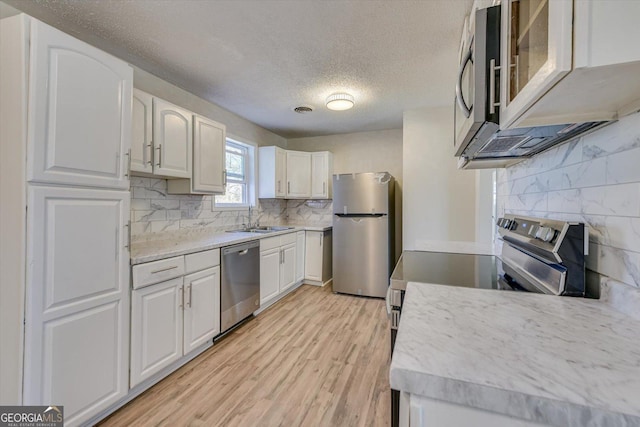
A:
[313,359]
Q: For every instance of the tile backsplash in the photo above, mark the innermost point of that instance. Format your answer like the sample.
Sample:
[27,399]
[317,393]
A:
[595,179]
[155,211]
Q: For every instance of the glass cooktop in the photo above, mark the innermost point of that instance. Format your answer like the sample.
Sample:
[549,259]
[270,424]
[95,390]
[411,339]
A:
[452,269]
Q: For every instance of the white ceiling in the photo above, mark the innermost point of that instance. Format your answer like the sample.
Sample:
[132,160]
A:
[261,58]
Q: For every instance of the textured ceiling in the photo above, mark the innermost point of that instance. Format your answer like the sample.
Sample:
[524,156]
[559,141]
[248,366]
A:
[261,58]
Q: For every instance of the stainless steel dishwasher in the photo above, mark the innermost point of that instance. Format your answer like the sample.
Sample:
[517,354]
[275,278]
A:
[240,291]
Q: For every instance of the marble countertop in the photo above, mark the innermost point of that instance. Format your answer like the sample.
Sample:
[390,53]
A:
[554,360]
[183,243]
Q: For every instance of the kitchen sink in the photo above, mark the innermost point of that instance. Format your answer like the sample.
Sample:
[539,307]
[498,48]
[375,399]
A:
[262,229]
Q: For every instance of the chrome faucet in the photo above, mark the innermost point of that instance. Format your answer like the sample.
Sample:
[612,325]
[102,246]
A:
[250,224]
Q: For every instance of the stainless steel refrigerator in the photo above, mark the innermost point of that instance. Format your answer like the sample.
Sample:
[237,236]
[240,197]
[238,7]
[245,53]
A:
[363,233]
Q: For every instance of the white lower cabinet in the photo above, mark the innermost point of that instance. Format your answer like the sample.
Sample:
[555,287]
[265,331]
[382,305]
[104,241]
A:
[300,250]
[172,318]
[278,266]
[77,300]
[288,267]
[269,274]
[201,308]
[156,328]
[318,258]
[313,256]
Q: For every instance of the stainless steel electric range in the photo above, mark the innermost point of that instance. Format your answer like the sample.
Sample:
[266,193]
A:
[538,255]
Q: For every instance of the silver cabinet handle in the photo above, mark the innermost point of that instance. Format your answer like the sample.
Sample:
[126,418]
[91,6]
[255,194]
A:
[159,154]
[288,187]
[188,303]
[324,186]
[128,154]
[466,110]
[164,269]
[278,186]
[181,296]
[149,153]
[280,256]
[128,225]
[492,86]
[284,256]
[321,236]
[224,178]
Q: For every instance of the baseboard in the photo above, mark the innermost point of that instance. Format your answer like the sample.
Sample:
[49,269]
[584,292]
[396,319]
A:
[317,282]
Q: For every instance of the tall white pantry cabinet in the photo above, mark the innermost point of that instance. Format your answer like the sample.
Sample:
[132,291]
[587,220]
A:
[65,202]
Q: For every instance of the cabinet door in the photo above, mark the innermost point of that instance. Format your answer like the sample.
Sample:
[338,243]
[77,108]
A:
[172,140]
[79,123]
[281,172]
[320,175]
[288,267]
[209,139]
[300,256]
[201,308]
[313,256]
[156,328]
[77,300]
[298,174]
[536,44]
[269,274]
[141,144]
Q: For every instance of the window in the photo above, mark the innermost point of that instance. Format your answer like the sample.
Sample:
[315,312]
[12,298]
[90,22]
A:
[239,164]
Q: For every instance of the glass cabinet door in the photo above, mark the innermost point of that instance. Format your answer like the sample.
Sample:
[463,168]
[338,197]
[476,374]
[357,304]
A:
[528,42]
[537,51]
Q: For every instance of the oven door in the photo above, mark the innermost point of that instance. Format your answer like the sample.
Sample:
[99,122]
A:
[394,306]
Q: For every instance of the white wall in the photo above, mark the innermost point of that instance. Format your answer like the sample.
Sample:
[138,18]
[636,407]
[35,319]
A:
[444,208]
[378,151]
[236,125]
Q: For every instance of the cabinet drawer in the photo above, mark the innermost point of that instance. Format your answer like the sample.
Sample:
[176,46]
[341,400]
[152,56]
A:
[287,239]
[201,260]
[269,243]
[157,271]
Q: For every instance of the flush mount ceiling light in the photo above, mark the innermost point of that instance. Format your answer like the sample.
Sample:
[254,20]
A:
[340,101]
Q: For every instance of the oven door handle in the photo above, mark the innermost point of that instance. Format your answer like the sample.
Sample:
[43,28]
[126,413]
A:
[387,301]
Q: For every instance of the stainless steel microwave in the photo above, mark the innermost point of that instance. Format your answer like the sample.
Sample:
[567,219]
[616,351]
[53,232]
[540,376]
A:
[477,88]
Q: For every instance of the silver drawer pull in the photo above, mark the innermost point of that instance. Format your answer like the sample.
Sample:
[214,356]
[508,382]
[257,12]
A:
[164,269]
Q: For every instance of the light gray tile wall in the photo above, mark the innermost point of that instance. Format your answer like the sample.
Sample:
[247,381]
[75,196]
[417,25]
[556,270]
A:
[155,211]
[595,179]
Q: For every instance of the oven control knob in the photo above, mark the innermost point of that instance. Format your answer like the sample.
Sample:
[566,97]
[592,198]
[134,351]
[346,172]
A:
[533,230]
[500,222]
[513,225]
[545,234]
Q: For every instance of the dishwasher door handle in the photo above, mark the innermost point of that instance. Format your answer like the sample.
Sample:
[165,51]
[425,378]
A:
[243,252]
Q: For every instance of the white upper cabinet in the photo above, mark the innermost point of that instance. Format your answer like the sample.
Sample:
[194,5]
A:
[209,155]
[272,162]
[209,140]
[321,175]
[79,112]
[568,61]
[172,140]
[142,142]
[298,175]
